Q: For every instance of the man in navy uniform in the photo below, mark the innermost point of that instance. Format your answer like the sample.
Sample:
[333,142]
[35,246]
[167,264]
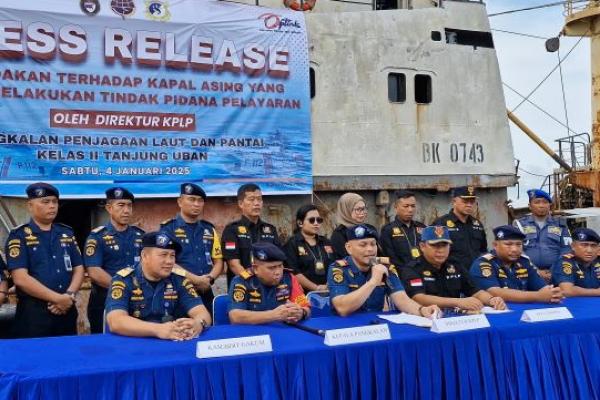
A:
[400,238]
[200,256]
[546,238]
[46,267]
[508,273]
[151,299]
[239,236]
[359,282]
[431,279]
[578,272]
[267,292]
[466,232]
[110,248]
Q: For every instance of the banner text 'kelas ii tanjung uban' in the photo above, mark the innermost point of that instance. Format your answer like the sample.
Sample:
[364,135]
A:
[148,94]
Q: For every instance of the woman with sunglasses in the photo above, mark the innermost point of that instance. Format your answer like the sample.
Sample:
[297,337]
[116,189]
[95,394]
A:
[351,210]
[309,254]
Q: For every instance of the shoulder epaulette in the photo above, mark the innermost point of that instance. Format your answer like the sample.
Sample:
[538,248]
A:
[63,225]
[16,228]
[166,221]
[98,229]
[208,223]
[568,255]
[488,256]
[125,272]
[177,270]
[246,274]
[525,256]
[342,263]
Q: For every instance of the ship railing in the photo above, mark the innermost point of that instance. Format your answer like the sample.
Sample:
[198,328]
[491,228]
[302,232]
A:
[575,150]
[574,6]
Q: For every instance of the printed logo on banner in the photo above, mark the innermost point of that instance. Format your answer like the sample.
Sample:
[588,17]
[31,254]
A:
[158,10]
[275,22]
[124,8]
[89,7]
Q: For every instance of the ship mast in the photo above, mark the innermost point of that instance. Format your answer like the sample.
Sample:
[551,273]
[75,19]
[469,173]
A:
[584,20]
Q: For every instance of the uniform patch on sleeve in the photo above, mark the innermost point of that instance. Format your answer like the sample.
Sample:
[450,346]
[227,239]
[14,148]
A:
[450,224]
[229,245]
[338,275]
[116,291]
[486,270]
[567,268]
[239,293]
[418,282]
[90,249]
[189,286]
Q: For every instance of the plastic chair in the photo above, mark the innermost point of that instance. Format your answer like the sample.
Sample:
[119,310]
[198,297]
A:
[320,303]
[221,310]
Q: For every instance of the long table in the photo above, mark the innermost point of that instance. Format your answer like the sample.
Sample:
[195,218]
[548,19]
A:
[510,360]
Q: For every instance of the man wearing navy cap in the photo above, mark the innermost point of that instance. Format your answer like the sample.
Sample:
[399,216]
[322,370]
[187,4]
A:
[239,235]
[431,279]
[466,232]
[200,257]
[152,299]
[508,273]
[46,267]
[110,248]
[546,238]
[360,281]
[578,272]
[267,292]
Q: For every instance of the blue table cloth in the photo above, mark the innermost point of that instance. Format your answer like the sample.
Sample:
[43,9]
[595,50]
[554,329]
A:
[512,359]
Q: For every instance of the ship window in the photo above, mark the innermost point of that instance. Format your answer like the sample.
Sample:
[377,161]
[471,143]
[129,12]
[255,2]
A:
[469,38]
[386,4]
[312,83]
[396,87]
[436,36]
[422,89]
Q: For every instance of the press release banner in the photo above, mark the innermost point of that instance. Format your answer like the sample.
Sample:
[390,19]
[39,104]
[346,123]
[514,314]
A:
[149,94]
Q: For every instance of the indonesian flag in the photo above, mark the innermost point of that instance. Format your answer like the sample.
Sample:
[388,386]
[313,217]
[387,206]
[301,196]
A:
[229,245]
[416,282]
[297,296]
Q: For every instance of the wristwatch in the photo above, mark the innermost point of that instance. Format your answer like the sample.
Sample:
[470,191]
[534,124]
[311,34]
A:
[304,313]
[203,323]
[211,280]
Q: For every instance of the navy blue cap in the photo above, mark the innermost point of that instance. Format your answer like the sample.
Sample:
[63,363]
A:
[160,240]
[193,190]
[265,251]
[435,234]
[41,189]
[538,194]
[465,192]
[119,193]
[508,232]
[585,235]
[361,231]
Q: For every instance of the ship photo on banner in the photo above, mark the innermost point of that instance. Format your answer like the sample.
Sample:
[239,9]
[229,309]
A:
[151,93]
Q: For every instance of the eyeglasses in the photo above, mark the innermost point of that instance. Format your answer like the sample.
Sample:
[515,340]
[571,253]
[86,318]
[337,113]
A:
[360,210]
[313,220]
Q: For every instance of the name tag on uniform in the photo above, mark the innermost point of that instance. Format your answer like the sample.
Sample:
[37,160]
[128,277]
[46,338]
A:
[546,314]
[457,324]
[359,334]
[234,346]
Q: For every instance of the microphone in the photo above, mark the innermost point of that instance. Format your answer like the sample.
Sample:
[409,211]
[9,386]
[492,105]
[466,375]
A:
[379,260]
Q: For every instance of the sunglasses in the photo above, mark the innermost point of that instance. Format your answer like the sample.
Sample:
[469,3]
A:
[313,220]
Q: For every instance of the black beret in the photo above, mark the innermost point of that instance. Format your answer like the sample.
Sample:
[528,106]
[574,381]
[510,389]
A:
[265,251]
[41,189]
[160,240]
[193,190]
[508,232]
[119,193]
[358,232]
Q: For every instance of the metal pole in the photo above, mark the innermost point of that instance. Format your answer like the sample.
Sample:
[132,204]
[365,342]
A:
[538,141]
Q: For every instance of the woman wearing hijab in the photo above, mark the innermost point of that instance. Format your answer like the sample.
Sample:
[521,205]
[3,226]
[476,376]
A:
[309,254]
[351,210]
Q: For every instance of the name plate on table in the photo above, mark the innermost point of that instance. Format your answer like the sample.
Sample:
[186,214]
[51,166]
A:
[359,334]
[234,346]
[457,324]
[546,314]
